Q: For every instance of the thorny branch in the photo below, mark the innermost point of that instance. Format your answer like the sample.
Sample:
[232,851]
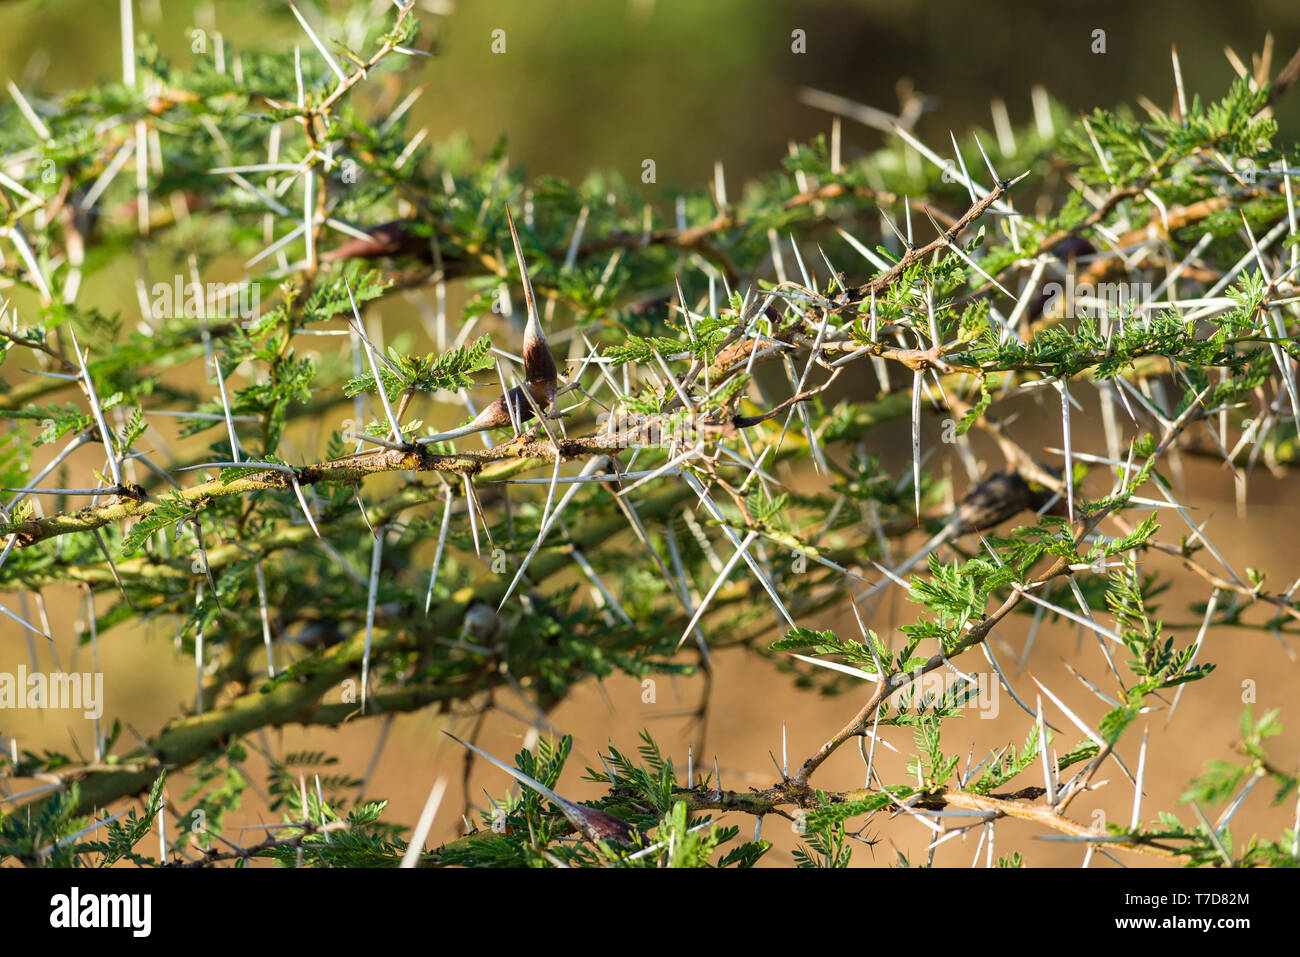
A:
[816,329]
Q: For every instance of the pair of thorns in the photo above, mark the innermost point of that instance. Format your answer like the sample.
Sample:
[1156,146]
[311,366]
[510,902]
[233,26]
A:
[523,402]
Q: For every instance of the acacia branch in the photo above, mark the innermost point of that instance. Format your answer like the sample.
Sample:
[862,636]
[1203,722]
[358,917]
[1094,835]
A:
[977,632]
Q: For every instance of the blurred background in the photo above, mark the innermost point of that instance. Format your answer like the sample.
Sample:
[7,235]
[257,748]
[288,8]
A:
[603,84]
